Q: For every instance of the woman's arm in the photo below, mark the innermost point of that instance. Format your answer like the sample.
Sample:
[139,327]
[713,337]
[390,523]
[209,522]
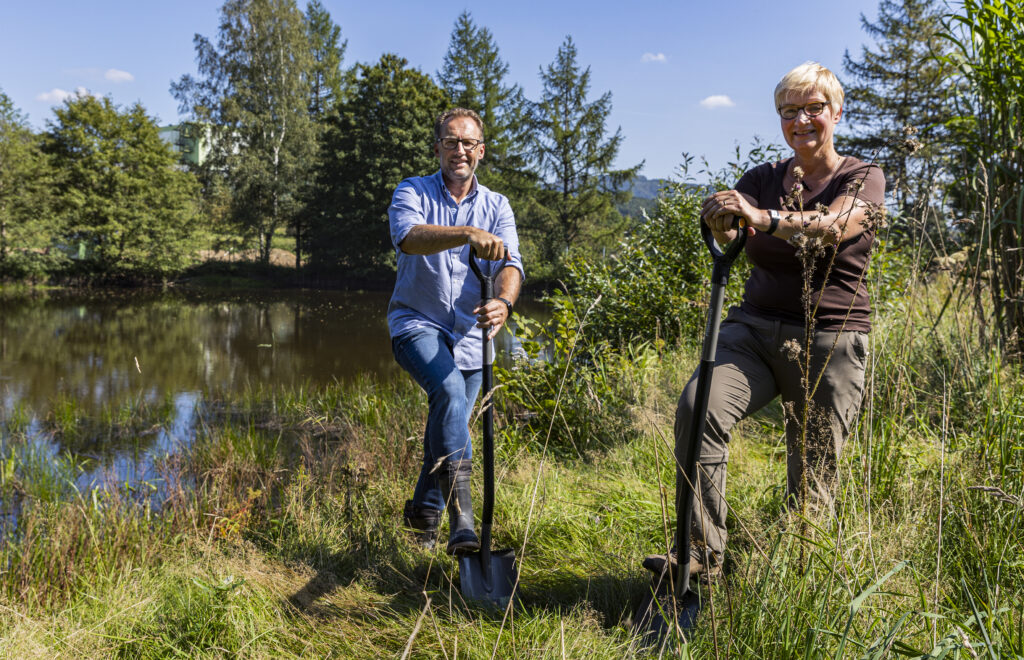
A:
[845,218]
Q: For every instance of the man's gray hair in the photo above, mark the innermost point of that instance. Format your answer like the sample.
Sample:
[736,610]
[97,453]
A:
[452,113]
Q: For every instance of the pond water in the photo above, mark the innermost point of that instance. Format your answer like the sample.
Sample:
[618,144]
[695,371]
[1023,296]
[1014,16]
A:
[100,349]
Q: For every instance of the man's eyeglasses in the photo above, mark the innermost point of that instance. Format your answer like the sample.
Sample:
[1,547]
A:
[811,110]
[468,144]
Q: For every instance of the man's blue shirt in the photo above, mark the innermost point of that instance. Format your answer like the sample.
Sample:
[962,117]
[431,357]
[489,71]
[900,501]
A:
[439,290]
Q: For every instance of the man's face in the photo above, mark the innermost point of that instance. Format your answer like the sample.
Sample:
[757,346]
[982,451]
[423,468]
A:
[459,163]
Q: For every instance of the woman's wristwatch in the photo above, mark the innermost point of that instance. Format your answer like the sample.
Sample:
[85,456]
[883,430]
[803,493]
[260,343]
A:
[775,217]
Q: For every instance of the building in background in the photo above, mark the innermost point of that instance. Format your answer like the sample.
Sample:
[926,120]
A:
[190,140]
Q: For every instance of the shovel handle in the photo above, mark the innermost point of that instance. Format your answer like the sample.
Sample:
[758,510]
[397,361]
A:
[486,281]
[734,247]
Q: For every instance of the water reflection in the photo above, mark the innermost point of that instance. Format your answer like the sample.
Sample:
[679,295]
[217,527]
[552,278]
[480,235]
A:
[102,347]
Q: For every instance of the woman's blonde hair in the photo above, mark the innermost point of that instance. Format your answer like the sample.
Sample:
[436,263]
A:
[808,76]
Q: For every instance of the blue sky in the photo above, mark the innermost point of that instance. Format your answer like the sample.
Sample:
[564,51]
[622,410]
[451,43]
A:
[662,61]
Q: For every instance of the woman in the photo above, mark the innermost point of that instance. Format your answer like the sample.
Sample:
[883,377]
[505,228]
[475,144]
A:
[809,218]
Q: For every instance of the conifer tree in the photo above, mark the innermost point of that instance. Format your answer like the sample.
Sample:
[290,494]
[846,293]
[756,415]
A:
[327,85]
[574,156]
[901,83]
[473,76]
[327,50]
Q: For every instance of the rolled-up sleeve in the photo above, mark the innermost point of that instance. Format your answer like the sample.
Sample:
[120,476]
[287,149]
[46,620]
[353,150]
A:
[505,229]
[405,212]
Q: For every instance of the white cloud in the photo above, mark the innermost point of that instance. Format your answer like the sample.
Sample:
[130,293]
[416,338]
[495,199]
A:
[660,58]
[118,76]
[57,95]
[717,101]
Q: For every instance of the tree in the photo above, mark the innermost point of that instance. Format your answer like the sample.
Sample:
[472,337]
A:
[25,233]
[255,95]
[327,84]
[988,50]
[574,156]
[902,83]
[327,50]
[124,204]
[473,76]
[382,133]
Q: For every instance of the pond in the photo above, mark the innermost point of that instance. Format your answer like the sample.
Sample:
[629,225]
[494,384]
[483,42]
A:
[93,351]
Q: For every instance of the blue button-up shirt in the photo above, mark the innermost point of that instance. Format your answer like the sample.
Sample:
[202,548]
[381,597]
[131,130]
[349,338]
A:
[439,290]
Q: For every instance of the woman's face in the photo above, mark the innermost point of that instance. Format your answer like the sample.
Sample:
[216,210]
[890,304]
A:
[804,133]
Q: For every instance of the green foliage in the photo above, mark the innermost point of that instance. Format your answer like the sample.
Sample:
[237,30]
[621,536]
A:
[902,85]
[381,134]
[124,205]
[473,76]
[327,50]
[987,38]
[328,83]
[25,233]
[254,92]
[567,392]
[655,284]
[573,156]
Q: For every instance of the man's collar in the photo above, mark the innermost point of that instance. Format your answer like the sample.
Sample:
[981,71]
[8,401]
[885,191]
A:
[444,186]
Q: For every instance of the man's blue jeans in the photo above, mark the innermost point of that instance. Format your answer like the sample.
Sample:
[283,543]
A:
[451,394]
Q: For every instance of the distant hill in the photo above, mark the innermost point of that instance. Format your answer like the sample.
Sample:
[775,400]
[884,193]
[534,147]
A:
[645,188]
[645,194]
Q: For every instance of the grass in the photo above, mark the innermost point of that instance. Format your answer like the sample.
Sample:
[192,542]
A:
[276,534]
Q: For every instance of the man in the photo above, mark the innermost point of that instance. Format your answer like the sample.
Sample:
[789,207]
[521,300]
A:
[436,317]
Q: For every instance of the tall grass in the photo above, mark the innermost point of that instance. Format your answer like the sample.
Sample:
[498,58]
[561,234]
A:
[276,532]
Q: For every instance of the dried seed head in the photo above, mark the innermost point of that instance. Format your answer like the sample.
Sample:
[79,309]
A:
[798,172]
[875,216]
[791,349]
[821,209]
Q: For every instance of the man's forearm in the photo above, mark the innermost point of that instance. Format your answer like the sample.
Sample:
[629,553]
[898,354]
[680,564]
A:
[508,283]
[431,239]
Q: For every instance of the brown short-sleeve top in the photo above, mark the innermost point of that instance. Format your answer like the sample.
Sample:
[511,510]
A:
[775,285]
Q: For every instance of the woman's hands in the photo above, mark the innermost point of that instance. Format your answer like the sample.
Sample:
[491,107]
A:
[721,207]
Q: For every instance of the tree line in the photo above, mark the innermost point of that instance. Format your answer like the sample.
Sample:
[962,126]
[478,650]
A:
[303,145]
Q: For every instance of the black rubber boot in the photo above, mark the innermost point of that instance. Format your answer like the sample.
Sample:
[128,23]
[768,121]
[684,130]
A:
[424,523]
[454,481]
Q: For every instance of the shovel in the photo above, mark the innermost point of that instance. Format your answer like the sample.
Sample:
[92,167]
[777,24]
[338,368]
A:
[486,576]
[650,619]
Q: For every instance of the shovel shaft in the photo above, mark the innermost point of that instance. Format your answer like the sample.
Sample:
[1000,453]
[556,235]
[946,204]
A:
[688,453]
[487,515]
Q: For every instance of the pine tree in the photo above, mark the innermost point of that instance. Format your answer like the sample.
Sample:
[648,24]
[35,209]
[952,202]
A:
[327,50]
[900,89]
[327,87]
[574,156]
[381,134]
[254,94]
[473,76]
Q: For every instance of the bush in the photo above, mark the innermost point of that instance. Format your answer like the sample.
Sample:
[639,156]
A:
[655,287]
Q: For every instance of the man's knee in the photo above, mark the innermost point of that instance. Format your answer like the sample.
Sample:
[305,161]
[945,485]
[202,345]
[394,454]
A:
[450,391]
